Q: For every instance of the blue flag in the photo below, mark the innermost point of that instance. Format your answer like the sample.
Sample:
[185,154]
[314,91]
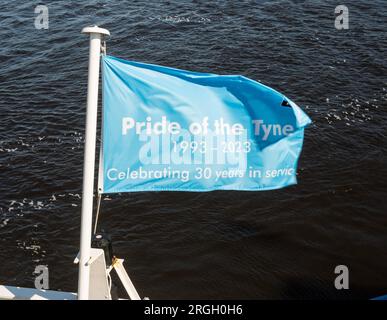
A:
[166,129]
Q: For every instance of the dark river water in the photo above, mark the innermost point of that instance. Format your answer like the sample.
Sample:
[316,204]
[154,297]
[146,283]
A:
[282,244]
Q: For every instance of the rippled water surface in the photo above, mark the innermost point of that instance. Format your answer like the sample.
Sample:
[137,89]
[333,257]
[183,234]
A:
[256,245]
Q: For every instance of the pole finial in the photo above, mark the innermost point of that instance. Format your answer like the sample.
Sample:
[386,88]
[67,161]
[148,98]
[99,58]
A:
[96,29]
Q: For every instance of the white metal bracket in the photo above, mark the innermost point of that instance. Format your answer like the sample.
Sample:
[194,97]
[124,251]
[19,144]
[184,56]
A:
[99,273]
[99,288]
[124,277]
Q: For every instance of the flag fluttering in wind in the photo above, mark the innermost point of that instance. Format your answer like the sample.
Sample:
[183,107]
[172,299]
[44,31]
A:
[167,129]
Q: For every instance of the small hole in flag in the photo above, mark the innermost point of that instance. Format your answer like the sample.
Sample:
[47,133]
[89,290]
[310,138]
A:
[285,103]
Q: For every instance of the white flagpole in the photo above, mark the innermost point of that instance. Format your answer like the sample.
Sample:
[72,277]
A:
[89,158]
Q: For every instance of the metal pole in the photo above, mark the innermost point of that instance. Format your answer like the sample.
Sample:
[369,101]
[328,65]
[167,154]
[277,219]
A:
[89,159]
